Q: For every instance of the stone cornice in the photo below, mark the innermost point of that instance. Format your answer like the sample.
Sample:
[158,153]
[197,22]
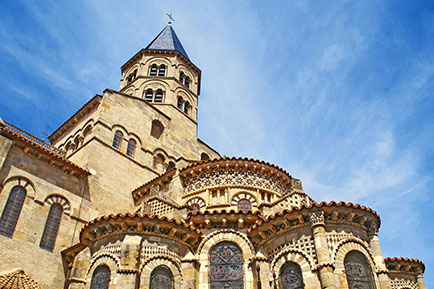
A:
[404,265]
[83,111]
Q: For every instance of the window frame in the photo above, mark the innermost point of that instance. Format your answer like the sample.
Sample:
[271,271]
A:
[117,139]
[48,242]
[12,211]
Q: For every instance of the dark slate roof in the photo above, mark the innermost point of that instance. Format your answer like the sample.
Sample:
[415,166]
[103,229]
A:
[167,40]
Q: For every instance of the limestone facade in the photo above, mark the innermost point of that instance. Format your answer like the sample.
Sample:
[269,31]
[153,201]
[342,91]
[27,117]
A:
[143,203]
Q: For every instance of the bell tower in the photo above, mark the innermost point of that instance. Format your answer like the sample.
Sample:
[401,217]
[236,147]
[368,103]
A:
[163,75]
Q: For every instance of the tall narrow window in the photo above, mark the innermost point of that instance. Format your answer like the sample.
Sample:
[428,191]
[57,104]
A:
[131,147]
[162,70]
[159,96]
[12,211]
[181,77]
[153,71]
[226,266]
[170,166]
[51,227]
[117,140]
[100,278]
[358,271]
[290,276]
[161,278]
[186,107]
[148,95]
[244,205]
[187,81]
[179,103]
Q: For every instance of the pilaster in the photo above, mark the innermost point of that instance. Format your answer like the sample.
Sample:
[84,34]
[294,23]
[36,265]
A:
[325,266]
[383,278]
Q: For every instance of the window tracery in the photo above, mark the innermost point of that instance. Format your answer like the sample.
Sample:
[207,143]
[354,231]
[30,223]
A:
[161,278]
[12,211]
[291,277]
[100,278]
[226,266]
[244,205]
[358,271]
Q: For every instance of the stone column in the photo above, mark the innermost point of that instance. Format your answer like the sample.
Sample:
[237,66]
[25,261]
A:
[325,267]
[130,251]
[420,281]
[262,269]
[383,278]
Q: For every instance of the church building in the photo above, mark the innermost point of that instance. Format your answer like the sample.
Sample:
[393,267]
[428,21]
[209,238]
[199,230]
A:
[125,195]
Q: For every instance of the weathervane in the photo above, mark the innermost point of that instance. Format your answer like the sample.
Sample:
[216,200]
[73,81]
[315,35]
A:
[170,16]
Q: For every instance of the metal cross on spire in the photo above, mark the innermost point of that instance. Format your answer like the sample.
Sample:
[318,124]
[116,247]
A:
[170,16]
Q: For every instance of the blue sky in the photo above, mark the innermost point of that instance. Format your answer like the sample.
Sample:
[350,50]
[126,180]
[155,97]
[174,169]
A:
[338,93]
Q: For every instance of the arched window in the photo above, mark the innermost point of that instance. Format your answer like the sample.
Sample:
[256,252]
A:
[157,129]
[244,205]
[358,271]
[186,107]
[153,71]
[12,211]
[170,166]
[148,95]
[100,277]
[159,96]
[162,70]
[204,157]
[187,81]
[195,207]
[181,77]
[290,276]
[179,103]
[51,227]
[161,278]
[131,147]
[131,76]
[117,140]
[158,162]
[226,266]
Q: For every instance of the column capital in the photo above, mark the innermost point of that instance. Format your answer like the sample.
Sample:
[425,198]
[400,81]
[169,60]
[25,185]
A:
[316,218]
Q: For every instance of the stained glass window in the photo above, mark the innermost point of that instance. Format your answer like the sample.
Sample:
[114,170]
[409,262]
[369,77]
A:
[244,205]
[358,271]
[226,266]
[290,276]
[117,139]
[12,211]
[51,227]
[131,147]
[100,278]
[161,278]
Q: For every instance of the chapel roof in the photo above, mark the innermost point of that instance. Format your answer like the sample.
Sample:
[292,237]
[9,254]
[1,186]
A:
[17,279]
[167,40]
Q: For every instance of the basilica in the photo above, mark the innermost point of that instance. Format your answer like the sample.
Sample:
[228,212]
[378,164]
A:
[125,195]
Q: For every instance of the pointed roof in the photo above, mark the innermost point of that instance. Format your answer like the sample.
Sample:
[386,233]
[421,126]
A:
[18,280]
[167,40]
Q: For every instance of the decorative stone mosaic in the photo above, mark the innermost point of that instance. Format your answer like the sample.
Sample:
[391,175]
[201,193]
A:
[402,284]
[232,177]
[157,207]
[305,244]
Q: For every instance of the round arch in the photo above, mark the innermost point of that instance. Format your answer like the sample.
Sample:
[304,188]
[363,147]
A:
[24,182]
[227,235]
[154,262]
[107,259]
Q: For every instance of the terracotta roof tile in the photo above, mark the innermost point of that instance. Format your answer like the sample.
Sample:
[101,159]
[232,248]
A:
[18,280]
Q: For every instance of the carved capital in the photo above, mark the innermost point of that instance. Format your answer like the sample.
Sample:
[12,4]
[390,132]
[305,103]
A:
[316,218]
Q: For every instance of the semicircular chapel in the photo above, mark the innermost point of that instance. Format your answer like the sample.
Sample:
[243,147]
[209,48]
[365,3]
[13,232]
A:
[126,195]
